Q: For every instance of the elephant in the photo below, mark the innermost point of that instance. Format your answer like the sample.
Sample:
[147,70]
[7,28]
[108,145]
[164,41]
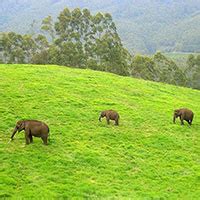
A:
[32,128]
[183,114]
[110,115]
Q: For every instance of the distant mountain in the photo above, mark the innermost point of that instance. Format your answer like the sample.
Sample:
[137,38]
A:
[145,26]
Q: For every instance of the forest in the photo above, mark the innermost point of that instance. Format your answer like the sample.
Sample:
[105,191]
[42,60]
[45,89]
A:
[145,26]
[81,39]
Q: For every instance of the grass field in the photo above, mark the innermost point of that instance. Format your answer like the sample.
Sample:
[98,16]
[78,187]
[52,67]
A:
[146,157]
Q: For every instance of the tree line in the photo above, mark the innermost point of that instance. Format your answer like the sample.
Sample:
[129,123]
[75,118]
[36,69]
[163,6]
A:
[84,40]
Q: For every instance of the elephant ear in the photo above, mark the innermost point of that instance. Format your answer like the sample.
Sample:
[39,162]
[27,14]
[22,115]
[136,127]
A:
[22,124]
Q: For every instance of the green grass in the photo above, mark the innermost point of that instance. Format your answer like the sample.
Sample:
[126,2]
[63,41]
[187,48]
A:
[146,157]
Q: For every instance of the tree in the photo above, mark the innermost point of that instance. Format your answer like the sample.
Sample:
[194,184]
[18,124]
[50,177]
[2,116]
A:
[193,71]
[86,40]
[143,67]
[1,48]
[41,55]
[48,27]
[168,70]
[12,48]
[191,60]
[17,48]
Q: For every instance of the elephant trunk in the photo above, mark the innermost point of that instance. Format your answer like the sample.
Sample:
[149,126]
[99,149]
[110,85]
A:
[14,131]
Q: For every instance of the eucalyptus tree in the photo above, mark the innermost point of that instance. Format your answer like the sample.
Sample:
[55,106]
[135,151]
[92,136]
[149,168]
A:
[86,40]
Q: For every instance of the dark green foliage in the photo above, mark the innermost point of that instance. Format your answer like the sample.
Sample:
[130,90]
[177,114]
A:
[168,70]
[144,67]
[193,71]
[157,68]
[85,40]
[47,26]
[17,48]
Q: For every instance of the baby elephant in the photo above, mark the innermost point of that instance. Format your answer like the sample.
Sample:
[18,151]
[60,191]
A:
[110,115]
[183,114]
[32,128]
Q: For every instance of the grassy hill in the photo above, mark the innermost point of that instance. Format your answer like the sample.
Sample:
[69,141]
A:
[144,25]
[146,157]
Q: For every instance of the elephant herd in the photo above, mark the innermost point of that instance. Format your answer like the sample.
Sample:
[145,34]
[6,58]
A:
[40,129]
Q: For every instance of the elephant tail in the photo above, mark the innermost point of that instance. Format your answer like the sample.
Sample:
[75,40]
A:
[49,135]
[49,138]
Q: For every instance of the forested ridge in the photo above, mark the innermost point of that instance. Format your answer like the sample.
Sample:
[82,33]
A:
[144,26]
[78,38]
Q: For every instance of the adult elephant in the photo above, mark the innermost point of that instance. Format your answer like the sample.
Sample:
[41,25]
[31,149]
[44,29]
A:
[32,128]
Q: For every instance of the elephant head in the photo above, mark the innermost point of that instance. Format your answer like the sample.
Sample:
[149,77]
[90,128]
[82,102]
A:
[19,127]
[103,114]
[176,114]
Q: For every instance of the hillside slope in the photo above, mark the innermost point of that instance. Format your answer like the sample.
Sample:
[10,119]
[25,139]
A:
[146,157]
[144,25]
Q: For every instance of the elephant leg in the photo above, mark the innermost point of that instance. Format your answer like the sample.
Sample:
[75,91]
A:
[181,118]
[44,138]
[108,120]
[116,122]
[31,138]
[27,133]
